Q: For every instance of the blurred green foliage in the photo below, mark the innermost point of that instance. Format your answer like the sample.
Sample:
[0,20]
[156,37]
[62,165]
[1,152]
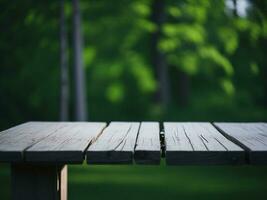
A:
[222,54]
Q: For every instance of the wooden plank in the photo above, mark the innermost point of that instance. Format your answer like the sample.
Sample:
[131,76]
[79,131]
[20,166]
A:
[67,144]
[199,143]
[15,140]
[251,136]
[115,145]
[38,182]
[147,150]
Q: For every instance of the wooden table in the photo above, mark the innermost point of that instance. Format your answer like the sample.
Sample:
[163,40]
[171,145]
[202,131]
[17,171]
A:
[40,151]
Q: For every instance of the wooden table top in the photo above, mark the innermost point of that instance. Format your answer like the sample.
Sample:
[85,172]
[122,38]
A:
[184,143]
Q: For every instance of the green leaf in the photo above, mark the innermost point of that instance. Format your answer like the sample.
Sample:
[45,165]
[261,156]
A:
[141,8]
[115,92]
[254,68]
[174,11]
[229,38]
[89,54]
[212,54]
[227,86]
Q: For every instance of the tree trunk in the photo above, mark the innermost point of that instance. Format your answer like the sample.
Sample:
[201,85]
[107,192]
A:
[64,92]
[235,8]
[260,8]
[79,80]
[157,57]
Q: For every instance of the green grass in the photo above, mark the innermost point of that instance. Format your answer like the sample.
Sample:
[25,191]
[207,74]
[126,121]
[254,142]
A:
[159,182]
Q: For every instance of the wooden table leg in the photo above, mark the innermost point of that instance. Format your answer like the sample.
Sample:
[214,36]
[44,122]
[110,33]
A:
[39,182]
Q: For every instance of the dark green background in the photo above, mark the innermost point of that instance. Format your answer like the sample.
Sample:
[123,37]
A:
[223,57]
[160,182]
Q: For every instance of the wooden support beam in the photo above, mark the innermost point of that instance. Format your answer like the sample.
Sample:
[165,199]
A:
[38,182]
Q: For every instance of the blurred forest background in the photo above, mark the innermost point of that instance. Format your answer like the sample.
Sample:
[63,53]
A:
[142,60]
[187,60]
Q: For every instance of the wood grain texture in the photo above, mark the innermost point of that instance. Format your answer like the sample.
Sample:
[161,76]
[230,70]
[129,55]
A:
[40,182]
[15,140]
[147,150]
[115,145]
[251,136]
[67,144]
[199,143]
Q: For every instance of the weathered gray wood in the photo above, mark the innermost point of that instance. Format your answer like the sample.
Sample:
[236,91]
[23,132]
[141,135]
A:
[251,136]
[147,150]
[15,140]
[115,145]
[66,145]
[40,182]
[199,143]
